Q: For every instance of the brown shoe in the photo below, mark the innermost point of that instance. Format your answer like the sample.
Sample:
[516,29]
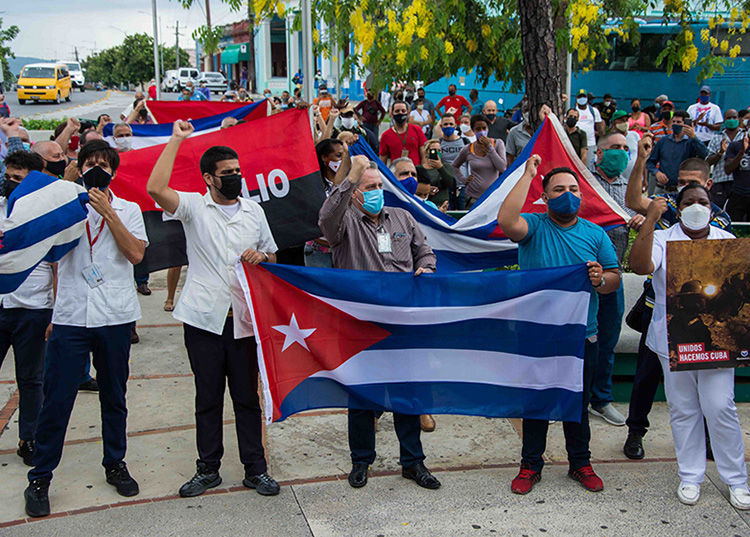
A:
[427,422]
[134,336]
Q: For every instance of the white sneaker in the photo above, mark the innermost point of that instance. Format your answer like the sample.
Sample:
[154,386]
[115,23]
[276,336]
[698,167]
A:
[688,494]
[739,497]
[609,414]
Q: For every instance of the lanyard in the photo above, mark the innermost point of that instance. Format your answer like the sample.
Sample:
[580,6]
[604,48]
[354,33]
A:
[92,243]
[403,140]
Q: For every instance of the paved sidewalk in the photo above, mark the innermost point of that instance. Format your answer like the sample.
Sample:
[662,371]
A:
[475,458]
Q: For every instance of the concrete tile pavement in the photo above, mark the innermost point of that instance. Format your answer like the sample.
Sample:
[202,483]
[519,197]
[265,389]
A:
[309,455]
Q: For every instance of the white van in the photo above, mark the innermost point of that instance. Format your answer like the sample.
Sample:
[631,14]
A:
[185,75]
[76,74]
[169,83]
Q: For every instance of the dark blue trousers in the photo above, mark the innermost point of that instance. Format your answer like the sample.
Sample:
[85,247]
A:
[67,354]
[24,330]
[362,437]
[577,435]
[648,374]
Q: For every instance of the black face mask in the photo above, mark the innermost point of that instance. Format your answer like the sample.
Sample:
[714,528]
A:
[635,108]
[231,185]
[571,122]
[96,177]
[56,167]
[400,118]
[491,117]
[451,92]
[8,187]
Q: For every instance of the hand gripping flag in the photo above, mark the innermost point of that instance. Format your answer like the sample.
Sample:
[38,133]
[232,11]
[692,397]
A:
[280,170]
[475,242]
[171,111]
[45,219]
[497,344]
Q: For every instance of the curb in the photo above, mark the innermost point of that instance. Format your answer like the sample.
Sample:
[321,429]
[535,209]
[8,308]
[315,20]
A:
[107,96]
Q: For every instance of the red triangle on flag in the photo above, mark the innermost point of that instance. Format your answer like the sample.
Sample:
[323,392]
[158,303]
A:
[300,334]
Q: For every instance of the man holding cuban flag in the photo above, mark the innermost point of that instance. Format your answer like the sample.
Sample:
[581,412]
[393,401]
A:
[560,237]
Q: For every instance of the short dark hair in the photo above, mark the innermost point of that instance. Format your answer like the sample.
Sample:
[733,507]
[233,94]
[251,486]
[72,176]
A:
[478,117]
[24,160]
[695,164]
[399,101]
[448,115]
[423,180]
[554,171]
[324,148]
[99,148]
[607,95]
[681,113]
[572,110]
[692,186]
[216,154]
[742,113]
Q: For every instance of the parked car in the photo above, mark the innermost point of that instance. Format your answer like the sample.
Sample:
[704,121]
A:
[185,75]
[77,77]
[44,82]
[170,81]
[215,81]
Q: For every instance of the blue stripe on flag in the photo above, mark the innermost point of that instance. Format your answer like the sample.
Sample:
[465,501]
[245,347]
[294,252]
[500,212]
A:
[47,225]
[404,290]
[415,398]
[11,282]
[450,261]
[497,335]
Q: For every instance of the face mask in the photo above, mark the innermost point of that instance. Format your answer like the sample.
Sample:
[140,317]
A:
[695,217]
[231,185]
[582,101]
[731,124]
[465,128]
[73,142]
[420,107]
[704,99]
[571,122]
[491,117]
[448,131]
[622,127]
[607,103]
[8,187]
[334,165]
[677,129]
[451,92]
[266,95]
[124,143]
[614,162]
[479,134]
[374,201]
[347,122]
[96,177]
[56,167]
[667,115]
[399,118]
[566,204]
[27,146]
[635,108]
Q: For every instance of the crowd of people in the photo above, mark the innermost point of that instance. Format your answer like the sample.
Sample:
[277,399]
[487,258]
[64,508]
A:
[679,175]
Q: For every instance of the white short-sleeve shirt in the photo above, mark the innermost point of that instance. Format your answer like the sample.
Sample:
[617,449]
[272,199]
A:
[113,302]
[36,292]
[712,114]
[657,330]
[587,120]
[214,242]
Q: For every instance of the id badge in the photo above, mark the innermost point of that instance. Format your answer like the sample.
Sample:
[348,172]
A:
[384,242]
[404,153]
[93,275]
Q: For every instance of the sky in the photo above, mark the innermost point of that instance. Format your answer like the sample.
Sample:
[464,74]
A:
[49,29]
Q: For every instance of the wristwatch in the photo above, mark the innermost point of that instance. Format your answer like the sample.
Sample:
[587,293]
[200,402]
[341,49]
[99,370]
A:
[601,284]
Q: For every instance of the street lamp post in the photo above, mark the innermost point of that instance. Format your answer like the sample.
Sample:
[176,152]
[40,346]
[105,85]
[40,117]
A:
[157,70]
[307,51]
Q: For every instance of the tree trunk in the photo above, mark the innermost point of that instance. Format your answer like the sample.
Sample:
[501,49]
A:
[208,24]
[559,22]
[251,46]
[540,57]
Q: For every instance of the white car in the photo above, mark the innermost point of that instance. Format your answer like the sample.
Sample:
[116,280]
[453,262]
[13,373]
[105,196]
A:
[76,74]
[215,81]
[169,83]
[185,75]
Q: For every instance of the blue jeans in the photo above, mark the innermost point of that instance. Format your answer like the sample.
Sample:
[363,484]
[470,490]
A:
[609,317]
[67,355]
[577,435]
[362,437]
[24,330]
[317,258]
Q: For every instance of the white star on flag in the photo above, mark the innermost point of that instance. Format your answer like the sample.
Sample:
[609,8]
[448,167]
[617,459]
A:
[294,334]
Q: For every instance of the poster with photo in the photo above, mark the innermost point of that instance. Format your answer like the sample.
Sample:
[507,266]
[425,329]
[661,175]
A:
[708,304]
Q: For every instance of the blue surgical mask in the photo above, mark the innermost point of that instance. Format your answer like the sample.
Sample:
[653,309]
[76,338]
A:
[374,201]
[448,131]
[704,99]
[27,146]
[566,204]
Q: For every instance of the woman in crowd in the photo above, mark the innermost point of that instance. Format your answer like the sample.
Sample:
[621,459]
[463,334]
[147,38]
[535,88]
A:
[465,126]
[421,118]
[696,394]
[438,172]
[638,121]
[486,159]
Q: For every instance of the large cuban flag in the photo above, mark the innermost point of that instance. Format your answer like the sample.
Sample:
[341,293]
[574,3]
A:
[45,220]
[475,241]
[496,344]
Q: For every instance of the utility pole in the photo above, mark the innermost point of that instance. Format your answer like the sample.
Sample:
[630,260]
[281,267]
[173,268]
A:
[251,46]
[157,73]
[308,72]
[177,35]
[161,48]
[208,24]
[76,50]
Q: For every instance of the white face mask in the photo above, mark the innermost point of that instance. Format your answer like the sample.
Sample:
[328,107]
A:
[465,128]
[347,122]
[479,134]
[582,101]
[334,165]
[124,143]
[695,217]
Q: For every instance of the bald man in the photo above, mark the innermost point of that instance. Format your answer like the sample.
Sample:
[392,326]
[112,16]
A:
[54,159]
[499,126]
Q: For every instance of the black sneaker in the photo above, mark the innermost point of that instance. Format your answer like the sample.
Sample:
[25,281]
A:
[26,452]
[119,477]
[203,480]
[37,498]
[263,483]
[89,386]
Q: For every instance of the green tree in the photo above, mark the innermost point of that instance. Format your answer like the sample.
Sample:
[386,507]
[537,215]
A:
[169,58]
[5,51]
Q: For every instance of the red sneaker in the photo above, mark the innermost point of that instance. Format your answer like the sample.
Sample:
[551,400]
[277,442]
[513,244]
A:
[525,480]
[588,478]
